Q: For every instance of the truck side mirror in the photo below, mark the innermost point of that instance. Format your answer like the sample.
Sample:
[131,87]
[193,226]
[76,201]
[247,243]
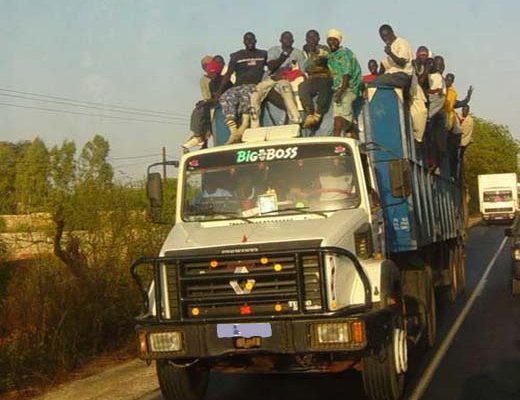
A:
[154,192]
[400,178]
[508,232]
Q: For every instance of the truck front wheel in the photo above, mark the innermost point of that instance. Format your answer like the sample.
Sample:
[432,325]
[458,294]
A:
[383,373]
[182,383]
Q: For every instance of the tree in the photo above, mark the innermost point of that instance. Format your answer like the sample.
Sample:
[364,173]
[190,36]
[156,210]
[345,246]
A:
[10,153]
[94,168]
[493,151]
[32,177]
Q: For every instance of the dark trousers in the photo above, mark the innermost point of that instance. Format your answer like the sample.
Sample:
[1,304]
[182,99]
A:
[397,79]
[312,87]
[200,122]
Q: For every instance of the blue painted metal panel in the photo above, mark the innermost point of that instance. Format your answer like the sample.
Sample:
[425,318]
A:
[433,212]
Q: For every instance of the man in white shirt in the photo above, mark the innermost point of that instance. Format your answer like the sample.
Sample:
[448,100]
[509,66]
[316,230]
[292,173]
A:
[397,65]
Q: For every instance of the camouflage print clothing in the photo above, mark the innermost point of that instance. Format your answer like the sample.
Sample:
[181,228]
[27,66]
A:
[237,101]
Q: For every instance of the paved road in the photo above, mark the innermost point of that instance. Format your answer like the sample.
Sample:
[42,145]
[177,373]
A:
[483,362]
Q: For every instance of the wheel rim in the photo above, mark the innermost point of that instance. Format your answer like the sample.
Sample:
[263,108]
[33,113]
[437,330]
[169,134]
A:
[400,351]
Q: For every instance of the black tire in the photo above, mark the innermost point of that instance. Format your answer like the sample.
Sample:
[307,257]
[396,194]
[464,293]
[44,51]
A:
[182,383]
[381,379]
[516,287]
[453,289]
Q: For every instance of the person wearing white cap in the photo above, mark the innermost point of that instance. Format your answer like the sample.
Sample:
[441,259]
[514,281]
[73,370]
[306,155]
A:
[346,83]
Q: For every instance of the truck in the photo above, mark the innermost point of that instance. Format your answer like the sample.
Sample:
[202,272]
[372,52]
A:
[498,196]
[295,254]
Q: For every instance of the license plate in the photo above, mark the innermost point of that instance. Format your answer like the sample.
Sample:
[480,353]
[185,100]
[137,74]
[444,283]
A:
[244,330]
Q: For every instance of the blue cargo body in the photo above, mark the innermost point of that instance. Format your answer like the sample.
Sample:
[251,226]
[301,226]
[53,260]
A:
[433,211]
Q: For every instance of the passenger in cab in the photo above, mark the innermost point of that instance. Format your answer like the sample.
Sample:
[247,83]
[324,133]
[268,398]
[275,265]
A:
[346,84]
[285,64]
[397,65]
[248,65]
[318,83]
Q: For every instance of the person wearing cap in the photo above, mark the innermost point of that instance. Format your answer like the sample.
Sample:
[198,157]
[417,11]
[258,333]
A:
[202,114]
[346,83]
[248,66]
[204,79]
[397,64]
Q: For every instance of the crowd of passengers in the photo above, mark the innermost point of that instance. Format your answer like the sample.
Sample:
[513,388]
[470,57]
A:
[306,83]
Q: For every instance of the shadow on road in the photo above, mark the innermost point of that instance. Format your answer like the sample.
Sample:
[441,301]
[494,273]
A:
[283,387]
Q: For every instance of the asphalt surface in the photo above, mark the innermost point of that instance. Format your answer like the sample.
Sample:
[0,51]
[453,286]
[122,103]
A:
[482,362]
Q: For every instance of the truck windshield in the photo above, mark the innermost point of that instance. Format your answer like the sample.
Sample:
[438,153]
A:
[497,196]
[269,181]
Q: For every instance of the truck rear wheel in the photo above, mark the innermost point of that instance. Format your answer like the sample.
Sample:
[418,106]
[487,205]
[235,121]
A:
[383,373]
[430,309]
[453,289]
[182,383]
[516,287]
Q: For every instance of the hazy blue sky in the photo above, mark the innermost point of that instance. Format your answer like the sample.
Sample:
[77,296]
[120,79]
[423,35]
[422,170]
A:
[146,54]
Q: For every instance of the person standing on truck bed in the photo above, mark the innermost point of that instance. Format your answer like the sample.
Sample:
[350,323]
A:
[397,64]
[372,68]
[285,64]
[346,83]
[248,65]
[318,82]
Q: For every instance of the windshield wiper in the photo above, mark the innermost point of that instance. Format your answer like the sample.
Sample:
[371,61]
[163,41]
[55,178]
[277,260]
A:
[300,210]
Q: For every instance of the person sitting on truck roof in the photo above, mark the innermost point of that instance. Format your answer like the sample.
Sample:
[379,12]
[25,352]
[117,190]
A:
[204,79]
[285,64]
[201,116]
[372,68]
[397,64]
[248,65]
[451,102]
[319,81]
[346,83]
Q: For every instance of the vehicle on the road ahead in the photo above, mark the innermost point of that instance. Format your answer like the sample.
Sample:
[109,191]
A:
[498,196]
[298,254]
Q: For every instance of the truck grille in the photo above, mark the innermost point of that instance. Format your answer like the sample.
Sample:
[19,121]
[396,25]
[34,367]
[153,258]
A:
[247,286]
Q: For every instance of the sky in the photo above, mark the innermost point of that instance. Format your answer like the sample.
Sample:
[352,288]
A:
[145,55]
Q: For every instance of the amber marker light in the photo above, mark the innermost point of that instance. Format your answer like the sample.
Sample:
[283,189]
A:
[278,307]
[264,260]
[195,311]
[213,263]
[358,332]
[143,345]
[278,267]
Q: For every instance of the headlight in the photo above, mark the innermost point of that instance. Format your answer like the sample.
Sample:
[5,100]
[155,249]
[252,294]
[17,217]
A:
[332,333]
[516,254]
[165,341]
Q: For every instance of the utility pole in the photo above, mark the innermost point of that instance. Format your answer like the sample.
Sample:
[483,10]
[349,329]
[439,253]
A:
[164,161]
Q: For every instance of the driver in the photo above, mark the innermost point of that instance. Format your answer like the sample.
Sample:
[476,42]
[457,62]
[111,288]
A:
[336,183]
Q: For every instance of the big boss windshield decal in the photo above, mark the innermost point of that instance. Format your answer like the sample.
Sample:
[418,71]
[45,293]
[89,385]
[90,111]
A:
[268,153]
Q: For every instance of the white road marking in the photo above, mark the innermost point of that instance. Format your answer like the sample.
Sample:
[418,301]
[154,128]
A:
[423,384]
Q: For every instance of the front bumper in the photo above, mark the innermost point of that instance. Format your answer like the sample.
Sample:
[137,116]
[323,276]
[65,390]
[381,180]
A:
[506,216]
[289,337]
